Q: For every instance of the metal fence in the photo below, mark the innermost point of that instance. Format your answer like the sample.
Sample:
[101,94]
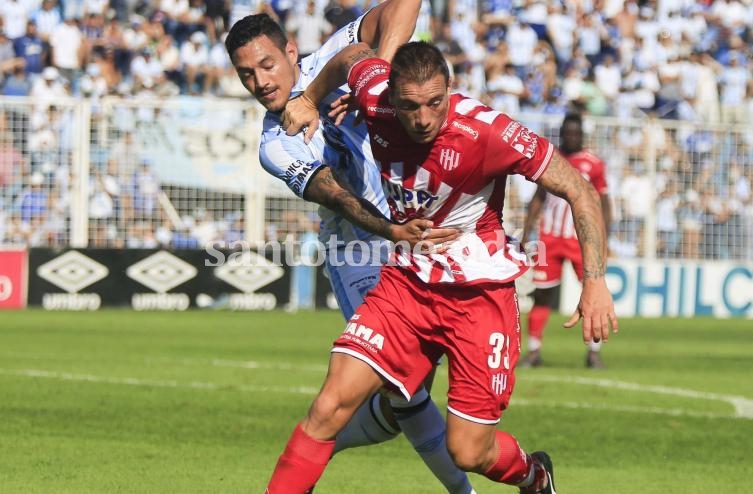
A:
[179,173]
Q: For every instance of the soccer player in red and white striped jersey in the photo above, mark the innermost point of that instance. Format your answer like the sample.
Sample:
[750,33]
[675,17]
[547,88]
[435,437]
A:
[558,237]
[446,158]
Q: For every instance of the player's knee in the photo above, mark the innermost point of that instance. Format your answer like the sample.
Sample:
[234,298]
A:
[329,413]
[467,455]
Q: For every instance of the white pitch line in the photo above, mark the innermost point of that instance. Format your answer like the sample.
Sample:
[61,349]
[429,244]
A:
[743,406]
[152,383]
[307,390]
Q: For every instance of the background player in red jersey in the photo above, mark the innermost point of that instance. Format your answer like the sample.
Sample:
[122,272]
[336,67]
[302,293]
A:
[557,234]
[444,158]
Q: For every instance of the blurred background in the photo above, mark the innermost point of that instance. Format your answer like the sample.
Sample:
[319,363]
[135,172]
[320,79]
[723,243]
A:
[124,126]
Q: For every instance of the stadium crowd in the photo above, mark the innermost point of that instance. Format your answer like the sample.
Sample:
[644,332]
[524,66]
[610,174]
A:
[680,64]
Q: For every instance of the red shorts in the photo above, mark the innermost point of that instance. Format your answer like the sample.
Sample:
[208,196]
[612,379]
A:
[405,325]
[547,271]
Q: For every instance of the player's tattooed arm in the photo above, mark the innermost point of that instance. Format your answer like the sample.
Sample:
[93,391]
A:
[564,181]
[596,307]
[389,25]
[302,113]
[324,189]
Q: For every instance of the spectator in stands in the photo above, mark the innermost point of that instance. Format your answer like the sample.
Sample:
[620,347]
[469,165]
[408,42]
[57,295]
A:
[308,28]
[8,59]
[47,18]
[33,202]
[637,197]
[68,49]
[146,66]
[31,49]
[17,83]
[734,81]
[667,226]
[144,192]
[194,57]
[506,89]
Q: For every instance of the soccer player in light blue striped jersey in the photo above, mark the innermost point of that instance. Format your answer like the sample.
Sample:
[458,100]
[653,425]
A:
[336,170]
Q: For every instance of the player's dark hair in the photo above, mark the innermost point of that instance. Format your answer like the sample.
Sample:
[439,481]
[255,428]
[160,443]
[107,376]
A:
[418,62]
[573,118]
[251,27]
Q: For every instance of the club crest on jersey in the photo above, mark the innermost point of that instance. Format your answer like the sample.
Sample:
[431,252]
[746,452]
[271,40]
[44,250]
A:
[449,159]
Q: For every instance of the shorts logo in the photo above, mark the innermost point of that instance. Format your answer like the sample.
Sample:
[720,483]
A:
[366,337]
[449,159]
[499,383]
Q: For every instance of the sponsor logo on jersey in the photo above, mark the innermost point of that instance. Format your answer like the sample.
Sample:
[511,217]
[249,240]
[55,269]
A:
[408,199]
[384,110]
[351,33]
[380,140]
[297,175]
[466,128]
[449,159]
[510,131]
[366,337]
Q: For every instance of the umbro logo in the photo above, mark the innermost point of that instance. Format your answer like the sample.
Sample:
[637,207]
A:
[161,272]
[449,159]
[250,273]
[72,271]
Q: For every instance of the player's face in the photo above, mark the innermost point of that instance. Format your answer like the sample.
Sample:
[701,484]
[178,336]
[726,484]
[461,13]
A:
[421,107]
[571,137]
[266,71]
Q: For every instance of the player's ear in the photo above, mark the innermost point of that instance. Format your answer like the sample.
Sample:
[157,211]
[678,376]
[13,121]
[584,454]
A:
[291,51]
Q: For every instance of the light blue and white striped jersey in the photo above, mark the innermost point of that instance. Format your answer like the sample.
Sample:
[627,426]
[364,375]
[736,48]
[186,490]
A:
[345,148]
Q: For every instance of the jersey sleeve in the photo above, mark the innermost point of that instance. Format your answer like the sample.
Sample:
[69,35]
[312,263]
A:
[289,159]
[599,177]
[367,80]
[514,149]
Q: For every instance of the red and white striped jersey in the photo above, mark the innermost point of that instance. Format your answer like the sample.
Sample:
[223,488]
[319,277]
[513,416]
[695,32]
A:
[556,217]
[457,181]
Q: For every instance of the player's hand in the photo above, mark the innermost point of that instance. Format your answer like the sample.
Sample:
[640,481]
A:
[300,114]
[596,308]
[341,107]
[420,234]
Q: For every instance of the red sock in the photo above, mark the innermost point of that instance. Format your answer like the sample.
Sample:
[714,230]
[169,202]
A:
[537,320]
[513,464]
[300,465]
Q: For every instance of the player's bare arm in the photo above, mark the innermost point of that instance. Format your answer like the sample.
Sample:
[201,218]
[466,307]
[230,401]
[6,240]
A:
[324,189]
[302,113]
[596,307]
[389,25]
[606,211]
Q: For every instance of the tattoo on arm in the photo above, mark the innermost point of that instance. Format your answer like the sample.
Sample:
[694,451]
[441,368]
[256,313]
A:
[325,190]
[561,179]
[357,56]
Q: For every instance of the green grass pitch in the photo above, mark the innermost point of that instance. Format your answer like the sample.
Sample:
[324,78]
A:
[203,402]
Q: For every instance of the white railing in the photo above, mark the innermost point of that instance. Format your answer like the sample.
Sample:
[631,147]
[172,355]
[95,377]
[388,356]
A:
[181,172]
